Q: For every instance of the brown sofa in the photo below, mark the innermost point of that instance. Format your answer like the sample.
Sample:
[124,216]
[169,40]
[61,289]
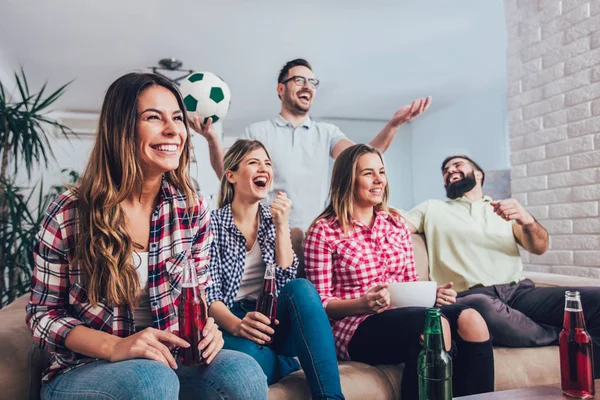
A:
[515,367]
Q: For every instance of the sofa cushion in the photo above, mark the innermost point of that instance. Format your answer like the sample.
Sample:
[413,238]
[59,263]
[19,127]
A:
[526,366]
[359,381]
[421,257]
[14,352]
[514,368]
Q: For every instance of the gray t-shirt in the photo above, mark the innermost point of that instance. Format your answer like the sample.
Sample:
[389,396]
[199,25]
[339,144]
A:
[300,162]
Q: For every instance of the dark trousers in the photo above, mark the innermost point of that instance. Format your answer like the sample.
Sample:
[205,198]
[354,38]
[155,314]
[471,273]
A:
[394,337]
[522,315]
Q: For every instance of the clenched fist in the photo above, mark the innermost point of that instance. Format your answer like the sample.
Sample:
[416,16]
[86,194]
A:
[280,209]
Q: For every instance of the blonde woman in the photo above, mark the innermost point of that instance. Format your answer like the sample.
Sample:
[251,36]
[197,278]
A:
[353,251]
[108,262]
[248,236]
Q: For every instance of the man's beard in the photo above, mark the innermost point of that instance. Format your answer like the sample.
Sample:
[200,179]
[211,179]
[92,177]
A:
[294,106]
[456,189]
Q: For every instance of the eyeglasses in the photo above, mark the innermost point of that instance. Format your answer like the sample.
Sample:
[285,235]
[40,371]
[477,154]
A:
[301,81]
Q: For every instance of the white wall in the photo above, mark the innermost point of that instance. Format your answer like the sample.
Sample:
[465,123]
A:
[6,73]
[474,124]
[397,158]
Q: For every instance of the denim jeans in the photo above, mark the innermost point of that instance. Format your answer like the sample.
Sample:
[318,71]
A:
[303,331]
[147,379]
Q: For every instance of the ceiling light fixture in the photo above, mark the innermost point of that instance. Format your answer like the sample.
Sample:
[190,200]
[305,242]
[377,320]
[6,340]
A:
[171,64]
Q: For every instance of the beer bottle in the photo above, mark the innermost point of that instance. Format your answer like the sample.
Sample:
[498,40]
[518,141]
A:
[576,358]
[434,364]
[267,300]
[192,315]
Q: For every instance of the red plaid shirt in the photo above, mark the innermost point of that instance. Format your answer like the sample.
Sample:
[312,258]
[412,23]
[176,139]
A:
[58,302]
[345,267]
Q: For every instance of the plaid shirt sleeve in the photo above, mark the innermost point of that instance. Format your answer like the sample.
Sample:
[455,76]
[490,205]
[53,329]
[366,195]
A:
[318,262]
[47,316]
[213,291]
[202,241]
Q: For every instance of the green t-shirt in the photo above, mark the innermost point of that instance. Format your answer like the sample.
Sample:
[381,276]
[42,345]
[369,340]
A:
[467,243]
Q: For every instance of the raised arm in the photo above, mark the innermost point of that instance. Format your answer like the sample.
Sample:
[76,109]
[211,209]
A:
[280,210]
[528,232]
[215,148]
[384,138]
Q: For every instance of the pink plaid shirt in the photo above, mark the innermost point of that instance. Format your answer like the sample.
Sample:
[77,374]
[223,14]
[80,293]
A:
[58,302]
[345,267]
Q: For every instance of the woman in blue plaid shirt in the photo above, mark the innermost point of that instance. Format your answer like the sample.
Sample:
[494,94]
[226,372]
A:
[108,263]
[247,236]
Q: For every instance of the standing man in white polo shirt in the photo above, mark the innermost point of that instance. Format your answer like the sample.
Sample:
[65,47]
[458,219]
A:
[300,147]
[472,241]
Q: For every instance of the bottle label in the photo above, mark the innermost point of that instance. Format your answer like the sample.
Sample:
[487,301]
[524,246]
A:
[270,272]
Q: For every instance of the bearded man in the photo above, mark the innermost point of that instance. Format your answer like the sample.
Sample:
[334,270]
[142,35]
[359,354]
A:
[473,242]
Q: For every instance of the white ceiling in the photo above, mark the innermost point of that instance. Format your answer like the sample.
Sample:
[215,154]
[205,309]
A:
[371,57]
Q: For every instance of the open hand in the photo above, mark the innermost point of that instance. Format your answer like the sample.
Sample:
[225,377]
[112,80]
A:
[207,130]
[410,111]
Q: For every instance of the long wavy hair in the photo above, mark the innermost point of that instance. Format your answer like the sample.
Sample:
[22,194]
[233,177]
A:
[343,183]
[231,162]
[104,249]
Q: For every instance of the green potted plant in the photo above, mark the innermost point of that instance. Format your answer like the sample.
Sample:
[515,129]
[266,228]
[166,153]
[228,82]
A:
[25,129]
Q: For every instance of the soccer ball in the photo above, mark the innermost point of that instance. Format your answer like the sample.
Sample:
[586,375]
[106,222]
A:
[206,95]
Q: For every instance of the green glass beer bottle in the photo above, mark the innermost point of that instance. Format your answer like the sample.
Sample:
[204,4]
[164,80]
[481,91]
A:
[434,363]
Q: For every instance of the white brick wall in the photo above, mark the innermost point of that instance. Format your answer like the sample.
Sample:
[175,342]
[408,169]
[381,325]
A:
[553,63]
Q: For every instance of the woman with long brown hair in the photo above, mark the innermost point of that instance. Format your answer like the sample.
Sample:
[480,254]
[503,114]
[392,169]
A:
[108,263]
[353,251]
[249,239]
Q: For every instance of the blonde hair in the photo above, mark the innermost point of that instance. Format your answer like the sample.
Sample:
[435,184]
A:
[104,248]
[343,182]
[231,162]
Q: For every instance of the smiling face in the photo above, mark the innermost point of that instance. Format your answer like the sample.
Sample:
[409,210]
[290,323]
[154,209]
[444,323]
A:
[253,176]
[455,170]
[297,99]
[370,181]
[460,177]
[161,132]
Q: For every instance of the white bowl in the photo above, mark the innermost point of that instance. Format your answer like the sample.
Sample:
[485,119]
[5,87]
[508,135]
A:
[412,294]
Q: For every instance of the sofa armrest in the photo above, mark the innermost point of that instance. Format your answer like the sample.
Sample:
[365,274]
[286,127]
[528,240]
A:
[546,279]
[15,350]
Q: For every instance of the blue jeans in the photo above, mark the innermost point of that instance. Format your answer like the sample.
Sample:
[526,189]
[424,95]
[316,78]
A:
[303,331]
[148,379]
